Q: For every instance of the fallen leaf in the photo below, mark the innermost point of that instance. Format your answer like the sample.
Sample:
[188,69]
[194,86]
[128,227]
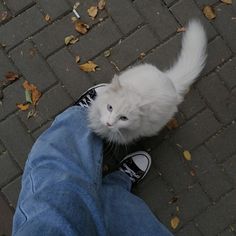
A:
[11,76]
[76,5]
[88,67]
[92,11]
[227,1]
[172,124]
[81,27]
[187,155]
[23,107]
[35,93]
[77,59]
[71,39]
[209,12]
[28,95]
[174,222]
[47,18]
[26,85]
[182,29]
[107,53]
[3,15]
[101,4]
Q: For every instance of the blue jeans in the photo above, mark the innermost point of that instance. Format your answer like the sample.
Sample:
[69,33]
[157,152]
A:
[63,192]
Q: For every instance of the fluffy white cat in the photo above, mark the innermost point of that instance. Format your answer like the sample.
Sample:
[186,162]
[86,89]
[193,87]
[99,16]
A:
[141,100]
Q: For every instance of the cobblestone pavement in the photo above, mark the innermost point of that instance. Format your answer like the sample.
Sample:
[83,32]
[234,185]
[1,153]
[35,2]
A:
[201,192]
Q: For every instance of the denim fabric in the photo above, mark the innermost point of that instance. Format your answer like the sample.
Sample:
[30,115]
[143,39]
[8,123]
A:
[63,192]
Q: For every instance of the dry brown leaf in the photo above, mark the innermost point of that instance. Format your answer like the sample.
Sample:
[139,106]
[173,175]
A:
[3,15]
[209,12]
[187,155]
[11,76]
[227,1]
[71,39]
[23,107]
[77,59]
[88,67]
[92,11]
[172,124]
[35,93]
[174,222]
[81,27]
[101,4]
[182,29]
[47,18]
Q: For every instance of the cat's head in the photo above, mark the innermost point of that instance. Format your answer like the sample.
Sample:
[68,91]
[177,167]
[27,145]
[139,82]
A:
[118,110]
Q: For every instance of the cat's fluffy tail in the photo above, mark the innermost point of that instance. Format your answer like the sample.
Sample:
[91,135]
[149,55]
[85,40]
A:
[191,59]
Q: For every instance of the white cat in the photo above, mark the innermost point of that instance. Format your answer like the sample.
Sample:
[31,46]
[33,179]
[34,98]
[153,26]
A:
[142,99]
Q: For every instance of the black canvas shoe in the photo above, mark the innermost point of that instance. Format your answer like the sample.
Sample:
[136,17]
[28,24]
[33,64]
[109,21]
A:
[86,98]
[136,165]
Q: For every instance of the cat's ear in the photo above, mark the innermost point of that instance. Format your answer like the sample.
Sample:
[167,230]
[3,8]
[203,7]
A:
[115,83]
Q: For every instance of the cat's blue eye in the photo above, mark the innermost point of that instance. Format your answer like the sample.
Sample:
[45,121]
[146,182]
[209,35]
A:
[124,118]
[109,108]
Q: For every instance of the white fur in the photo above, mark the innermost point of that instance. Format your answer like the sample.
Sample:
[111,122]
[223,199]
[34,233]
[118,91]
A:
[147,96]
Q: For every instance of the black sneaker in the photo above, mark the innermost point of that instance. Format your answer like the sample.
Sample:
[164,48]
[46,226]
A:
[136,165]
[87,97]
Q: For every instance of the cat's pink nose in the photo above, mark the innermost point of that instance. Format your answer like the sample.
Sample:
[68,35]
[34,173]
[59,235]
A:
[108,124]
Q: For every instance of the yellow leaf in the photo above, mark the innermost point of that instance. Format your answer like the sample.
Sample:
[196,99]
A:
[71,39]
[209,12]
[88,67]
[174,222]
[227,1]
[81,27]
[93,11]
[23,107]
[187,155]
[101,4]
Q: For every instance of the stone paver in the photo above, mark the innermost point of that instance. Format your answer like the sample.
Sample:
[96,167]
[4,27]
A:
[201,192]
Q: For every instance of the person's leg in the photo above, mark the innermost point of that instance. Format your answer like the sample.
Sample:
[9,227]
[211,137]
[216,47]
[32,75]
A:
[61,180]
[125,213]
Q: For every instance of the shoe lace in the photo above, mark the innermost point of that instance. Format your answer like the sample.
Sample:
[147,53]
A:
[88,99]
[126,169]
